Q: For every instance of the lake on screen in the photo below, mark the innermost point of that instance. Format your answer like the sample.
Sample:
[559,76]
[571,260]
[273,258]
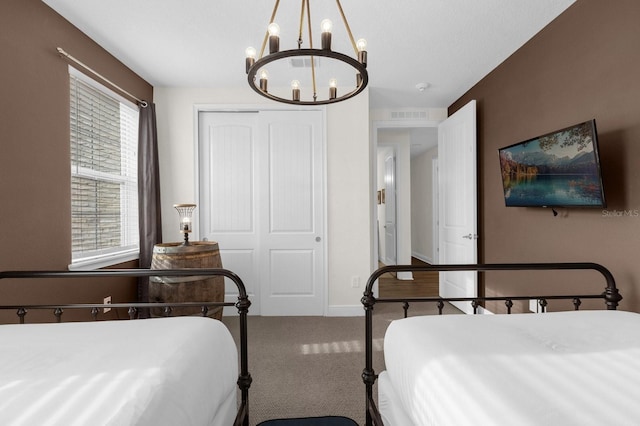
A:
[558,190]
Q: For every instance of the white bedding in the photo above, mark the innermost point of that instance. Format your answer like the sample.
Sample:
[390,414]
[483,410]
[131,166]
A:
[565,368]
[165,371]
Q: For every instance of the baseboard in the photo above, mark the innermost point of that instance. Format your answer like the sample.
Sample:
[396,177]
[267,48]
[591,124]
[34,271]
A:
[422,257]
[345,311]
[404,275]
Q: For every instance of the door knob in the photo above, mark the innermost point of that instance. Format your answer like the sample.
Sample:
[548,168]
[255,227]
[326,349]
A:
[318,239]
[471,236]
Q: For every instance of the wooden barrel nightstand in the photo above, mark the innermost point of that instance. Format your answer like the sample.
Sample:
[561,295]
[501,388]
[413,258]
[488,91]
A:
[198,254]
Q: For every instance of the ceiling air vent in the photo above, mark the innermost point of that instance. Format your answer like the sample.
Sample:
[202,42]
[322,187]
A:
[408,115]
[303,62]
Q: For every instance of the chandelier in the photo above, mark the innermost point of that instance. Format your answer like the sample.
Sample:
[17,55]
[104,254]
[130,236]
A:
[295,60]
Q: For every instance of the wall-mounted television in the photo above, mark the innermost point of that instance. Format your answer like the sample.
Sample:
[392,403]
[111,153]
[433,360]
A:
[557,169]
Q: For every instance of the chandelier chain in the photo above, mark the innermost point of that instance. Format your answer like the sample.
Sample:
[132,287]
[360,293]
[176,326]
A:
[301,23]
[313,68]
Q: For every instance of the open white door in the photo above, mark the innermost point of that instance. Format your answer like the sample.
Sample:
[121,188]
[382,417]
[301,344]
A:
[457,200]
[390,242]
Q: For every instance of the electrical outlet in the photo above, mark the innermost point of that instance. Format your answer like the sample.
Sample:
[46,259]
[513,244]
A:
[106,301]
[355,282]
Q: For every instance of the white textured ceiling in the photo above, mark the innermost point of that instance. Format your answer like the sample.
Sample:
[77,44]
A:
[449,44]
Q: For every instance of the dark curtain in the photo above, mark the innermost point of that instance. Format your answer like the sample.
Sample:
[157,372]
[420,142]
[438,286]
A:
[149,219]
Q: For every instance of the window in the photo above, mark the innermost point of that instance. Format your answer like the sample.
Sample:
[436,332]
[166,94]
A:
[104,192]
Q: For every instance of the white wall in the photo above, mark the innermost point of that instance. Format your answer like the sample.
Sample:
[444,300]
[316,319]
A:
[348,176]
[422,206]
[349,203]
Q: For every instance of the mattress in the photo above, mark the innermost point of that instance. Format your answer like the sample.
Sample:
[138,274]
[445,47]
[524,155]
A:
[164,371]
[565,368]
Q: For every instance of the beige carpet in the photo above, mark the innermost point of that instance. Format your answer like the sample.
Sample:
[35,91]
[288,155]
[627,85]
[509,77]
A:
[311,366]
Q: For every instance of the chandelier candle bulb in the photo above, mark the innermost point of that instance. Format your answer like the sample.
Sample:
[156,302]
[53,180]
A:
[264,76]
[295,90]
[251,58]
[333,88]
[362,51]
[274,37]
[326,26]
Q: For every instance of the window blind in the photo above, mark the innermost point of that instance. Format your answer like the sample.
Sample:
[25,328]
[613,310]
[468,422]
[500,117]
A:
[104,194]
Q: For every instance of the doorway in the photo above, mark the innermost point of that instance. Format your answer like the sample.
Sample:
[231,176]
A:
[404,141]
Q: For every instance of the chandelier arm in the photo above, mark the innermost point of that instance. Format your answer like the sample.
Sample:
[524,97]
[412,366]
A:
[313,68]
[346,24]
[301,23]
[266,34]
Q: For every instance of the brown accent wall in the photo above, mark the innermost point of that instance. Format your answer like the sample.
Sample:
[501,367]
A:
[35,224]
[585,64]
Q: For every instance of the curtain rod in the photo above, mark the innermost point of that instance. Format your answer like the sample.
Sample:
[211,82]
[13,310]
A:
[62,52]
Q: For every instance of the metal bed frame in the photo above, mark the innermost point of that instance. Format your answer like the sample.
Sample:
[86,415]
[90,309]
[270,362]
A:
[135,309]
[611,297]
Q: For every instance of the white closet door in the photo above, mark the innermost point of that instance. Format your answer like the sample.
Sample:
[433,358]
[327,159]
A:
[262,198]
[227,210]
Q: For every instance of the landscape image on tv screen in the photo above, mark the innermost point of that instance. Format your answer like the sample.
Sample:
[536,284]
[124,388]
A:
[559,169]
